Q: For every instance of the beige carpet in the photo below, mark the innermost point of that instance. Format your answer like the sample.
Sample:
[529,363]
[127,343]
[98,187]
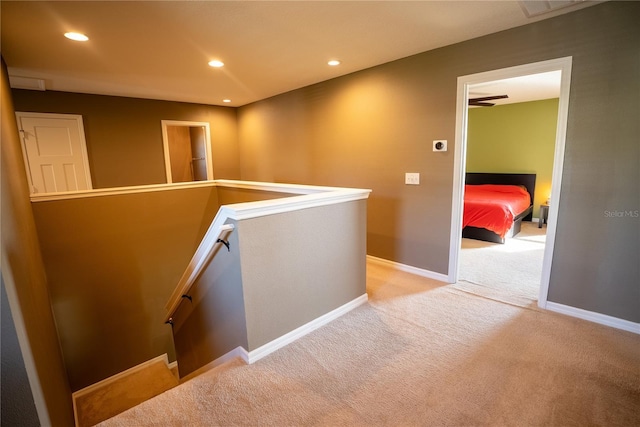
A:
[508,272]
[421,353]
[124,393]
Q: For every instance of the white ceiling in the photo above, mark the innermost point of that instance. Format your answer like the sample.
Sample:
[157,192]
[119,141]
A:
[160,49]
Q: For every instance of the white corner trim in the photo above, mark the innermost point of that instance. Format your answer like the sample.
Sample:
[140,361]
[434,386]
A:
[236,353]
[23,342]
[248,210]
[277,186]
[278,343]
[592,316]
[410,269]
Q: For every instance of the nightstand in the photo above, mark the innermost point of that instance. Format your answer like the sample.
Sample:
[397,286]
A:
[544,215]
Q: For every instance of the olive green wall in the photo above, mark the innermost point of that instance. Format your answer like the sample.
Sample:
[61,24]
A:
[24,274]
[515,138]
[368,128]
[112,263]
[124,135]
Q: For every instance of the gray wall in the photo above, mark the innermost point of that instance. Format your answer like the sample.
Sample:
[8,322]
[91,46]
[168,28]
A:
[368,128]
[267,285]
[300,265]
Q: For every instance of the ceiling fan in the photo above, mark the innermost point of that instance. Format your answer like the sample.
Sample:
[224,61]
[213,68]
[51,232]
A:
[481,102]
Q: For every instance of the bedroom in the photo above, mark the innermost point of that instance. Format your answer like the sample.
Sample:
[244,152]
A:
[508,136]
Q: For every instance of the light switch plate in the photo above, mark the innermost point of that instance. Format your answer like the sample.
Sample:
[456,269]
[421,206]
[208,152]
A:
[440,145]
[412,178]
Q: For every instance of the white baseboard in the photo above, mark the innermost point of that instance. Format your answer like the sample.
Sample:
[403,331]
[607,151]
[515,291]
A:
[112,379]
[265,350]
[227,357]
[591,316]
[410,269]
[119,375]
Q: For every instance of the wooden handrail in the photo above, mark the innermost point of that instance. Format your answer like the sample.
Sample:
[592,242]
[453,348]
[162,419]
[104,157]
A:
[200,259]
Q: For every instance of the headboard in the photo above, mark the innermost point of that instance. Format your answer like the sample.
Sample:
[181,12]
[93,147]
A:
[528,180]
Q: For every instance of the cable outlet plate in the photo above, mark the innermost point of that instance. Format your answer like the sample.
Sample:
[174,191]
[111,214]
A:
[440,145]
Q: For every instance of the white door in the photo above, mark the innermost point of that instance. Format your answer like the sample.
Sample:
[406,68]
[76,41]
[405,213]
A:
[55,152]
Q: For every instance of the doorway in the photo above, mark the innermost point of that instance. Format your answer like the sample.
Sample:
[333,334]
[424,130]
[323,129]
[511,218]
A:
[55,152]
[464,84]
[187,151]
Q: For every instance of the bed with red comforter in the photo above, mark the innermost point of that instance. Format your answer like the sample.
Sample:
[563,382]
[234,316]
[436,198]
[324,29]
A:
[493,212]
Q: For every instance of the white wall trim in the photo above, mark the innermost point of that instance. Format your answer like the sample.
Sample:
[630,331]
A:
[410,269]
[273,186]
[23,341]
[592,316]
[236,353]
[464,82]
[278,343]
[251,185]
[115,191]
[241,211]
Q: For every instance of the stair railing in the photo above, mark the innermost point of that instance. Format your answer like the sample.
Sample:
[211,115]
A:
[203,255]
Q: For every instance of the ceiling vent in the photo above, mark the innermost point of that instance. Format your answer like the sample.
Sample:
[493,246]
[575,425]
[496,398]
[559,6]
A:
[533,8]
[26,83]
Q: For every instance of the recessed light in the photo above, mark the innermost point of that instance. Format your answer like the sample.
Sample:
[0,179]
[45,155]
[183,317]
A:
[79,37]
[216,64]
[226,100]
[333,62]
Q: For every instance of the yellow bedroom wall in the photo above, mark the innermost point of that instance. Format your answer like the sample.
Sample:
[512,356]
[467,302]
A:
[515,138]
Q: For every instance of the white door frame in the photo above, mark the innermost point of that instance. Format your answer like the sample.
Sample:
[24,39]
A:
[464,82]
[165,142]
[83,140]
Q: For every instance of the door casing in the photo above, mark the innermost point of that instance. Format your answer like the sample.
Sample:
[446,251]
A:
[83,164]
[165,141]
[460,149]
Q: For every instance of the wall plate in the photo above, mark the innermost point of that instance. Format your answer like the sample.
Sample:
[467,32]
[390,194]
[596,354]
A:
[440,145]
[412,178]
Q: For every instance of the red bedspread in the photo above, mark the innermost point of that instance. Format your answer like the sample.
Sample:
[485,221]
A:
[493,206]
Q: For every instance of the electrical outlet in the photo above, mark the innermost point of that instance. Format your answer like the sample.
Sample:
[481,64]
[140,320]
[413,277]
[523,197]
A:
[440,145]
[412,178]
